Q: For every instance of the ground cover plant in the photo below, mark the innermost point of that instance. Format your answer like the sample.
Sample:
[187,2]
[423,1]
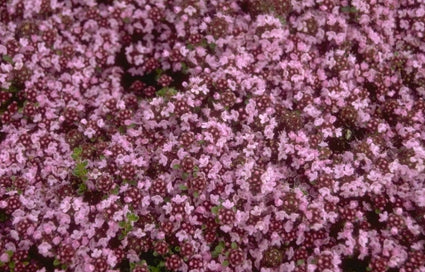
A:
[222,135]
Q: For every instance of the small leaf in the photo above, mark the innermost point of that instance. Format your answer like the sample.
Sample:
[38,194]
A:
[214,210]
[225,263]
[76,154]
[218,249]
[185,175]
[184,68]
[115,191]
[80,169]
[369,268]
[122,129]
[176,166]
[56,262]
[82,188]
[377,211]
[190,46]
[212,46]
[12,265]
[9,252]
[348,134]
[183,187]
[126,20]
[154,268]
[8,58]
[195,194]
[132,217]
[177,249]
[234,245]
[300,262]
[122,224]
[166,92]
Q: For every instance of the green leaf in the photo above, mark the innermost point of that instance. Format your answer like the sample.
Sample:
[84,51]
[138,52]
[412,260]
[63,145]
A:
[12,265]
[183,187]
[9,252]
[126,20]
[218,249]
[225,263]
[190,46]
[82,188]
[3,216]
[184,69]
[177,249]
[132,217]
[80,169]
[115,191]
[154,269]
[300,262]
[158,72]
[122,129]
[8,58]
[377,211]
[195,194]
[234,245]
[369,268]
[348,134]
[132,266]
[185,175]
[56,262]
[166,92]
[76,153]
[212,46]
[64,266]
[349,9]
[215,209]
[176,166]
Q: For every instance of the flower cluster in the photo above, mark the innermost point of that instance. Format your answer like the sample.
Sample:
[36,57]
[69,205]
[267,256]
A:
[195,135]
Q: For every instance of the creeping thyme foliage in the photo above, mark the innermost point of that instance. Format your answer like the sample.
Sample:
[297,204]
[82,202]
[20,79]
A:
[223,135]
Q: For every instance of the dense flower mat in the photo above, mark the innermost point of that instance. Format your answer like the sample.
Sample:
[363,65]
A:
[212,135]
